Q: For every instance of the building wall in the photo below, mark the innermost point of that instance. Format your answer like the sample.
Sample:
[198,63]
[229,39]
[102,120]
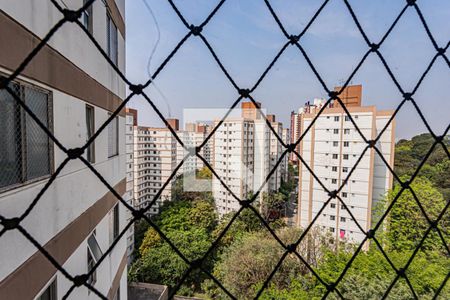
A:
[76,203]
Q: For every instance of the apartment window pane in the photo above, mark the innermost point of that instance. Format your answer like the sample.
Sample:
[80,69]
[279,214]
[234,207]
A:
[336,118]
[345,156]
[90,128]
[37,141]
[113,137]
[87,17]
[335,156]
[335,144]
[346,144]
[90,265]
[334,169]
[111,32]
[10,139]
[116,221]
[335,131]
[49,293]
[94,247]
[25,152]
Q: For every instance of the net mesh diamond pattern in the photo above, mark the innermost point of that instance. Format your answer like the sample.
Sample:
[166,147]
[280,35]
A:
[194,31]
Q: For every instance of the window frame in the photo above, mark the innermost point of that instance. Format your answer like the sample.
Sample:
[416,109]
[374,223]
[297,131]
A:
[116,146]
[90,150]
[89,12]
[115,221]
[22,85]
[53,285]
[109,21]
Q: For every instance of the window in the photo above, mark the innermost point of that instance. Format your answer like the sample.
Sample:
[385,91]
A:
[347,131]
[117,295]
[334,168]
[26,152]
[332,218]
[345,169]
[335,156]
[332,205]
[345,156]
[331,229]
[94,253]
[49,293]
[335,144]
[111,36]
[336,118]
[346,144]
[333,180]
[347,118]
[87,17]
[90,128]
[335,131]
[115,221]
[344,195]
[342,219]
[113,137]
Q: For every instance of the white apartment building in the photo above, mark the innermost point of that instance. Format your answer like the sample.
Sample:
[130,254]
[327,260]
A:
[155,155]
[242,158]
[331,148]
[72,90]
[234,162]
[130,124]
[285,162]
[276,149]
[193,136]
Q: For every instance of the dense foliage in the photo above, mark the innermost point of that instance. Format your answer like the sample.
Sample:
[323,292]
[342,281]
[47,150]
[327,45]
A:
[247,253]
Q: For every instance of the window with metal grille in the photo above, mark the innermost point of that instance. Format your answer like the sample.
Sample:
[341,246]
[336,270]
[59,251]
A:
[113,137]
[111,36]
[25,154]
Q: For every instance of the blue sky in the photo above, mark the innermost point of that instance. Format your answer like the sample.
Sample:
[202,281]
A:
[246,38]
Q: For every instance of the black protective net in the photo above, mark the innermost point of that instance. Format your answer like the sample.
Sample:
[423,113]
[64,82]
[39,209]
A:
[15,102]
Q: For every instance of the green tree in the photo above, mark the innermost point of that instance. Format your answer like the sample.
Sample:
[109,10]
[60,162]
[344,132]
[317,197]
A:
[406,223]
[161,264]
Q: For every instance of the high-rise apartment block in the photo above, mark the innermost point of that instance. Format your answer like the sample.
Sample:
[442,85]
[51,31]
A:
[130,124]
[331,148]
[155,154]
[72,90]
[245,150]
[285,162]
[295,132]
